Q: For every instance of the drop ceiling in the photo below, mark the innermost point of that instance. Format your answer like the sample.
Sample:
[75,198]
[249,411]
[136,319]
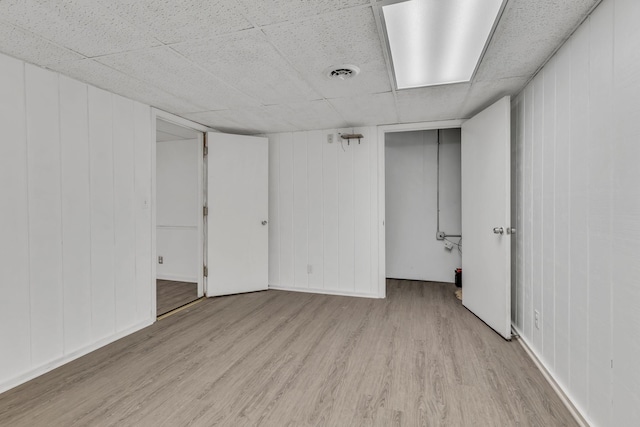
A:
[255,66]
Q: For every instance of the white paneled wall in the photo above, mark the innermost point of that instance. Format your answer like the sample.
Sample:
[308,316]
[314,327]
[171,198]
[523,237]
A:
[178,210]
[75,267]
[323,234]
[578,215]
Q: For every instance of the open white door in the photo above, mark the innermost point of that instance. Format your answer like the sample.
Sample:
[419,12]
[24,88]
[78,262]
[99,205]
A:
[237,199]
[486,216]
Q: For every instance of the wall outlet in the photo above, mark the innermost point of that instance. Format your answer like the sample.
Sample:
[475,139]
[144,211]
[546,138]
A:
[536,318]
[160,260]
[448,245]
[329,138]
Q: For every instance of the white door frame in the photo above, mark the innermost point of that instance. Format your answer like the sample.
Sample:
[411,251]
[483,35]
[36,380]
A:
[382,131]
[172,118]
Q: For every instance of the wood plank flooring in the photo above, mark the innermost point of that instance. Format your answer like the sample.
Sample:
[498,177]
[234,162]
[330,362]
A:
[275,358]
[171,295]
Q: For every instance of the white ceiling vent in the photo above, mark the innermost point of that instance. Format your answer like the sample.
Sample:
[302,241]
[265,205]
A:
[342,72]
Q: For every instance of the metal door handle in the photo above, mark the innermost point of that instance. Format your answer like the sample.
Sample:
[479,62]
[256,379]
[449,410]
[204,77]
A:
[511,230]
[264,222]
[498,230]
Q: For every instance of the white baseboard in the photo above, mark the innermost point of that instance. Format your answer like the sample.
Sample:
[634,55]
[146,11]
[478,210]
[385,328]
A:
[560,391]
[324,292]
[50,366]
[176,278]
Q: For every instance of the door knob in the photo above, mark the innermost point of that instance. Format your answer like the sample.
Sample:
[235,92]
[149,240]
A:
[511,230]
[498,230]
[264,222]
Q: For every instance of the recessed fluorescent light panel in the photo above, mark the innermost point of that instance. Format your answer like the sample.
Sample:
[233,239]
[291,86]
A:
[436,42]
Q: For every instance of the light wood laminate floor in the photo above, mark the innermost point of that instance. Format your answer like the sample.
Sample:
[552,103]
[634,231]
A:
[171,295]
[275,358]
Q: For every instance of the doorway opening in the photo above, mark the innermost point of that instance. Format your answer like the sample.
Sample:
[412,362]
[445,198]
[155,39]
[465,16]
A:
[423,238]
[179,216]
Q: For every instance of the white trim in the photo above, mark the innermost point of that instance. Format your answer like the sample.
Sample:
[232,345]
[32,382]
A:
[575,412]
[324,292]
[47,367]
[175,278]
[382,130]
[201,202]
[154,242]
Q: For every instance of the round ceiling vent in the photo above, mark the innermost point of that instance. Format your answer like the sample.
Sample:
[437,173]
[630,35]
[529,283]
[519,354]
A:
[342,72]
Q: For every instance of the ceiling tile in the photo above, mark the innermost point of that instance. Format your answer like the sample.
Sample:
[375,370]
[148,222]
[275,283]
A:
[79,25]
[345,37]
[97,74]
[265,13]
[272,118]
[367,110]
[247,60]
[31,48]
[431,103]
[528,33]
[251,120]
[180,20]
[215,120]
[166,69]
[483,94]
[309,115]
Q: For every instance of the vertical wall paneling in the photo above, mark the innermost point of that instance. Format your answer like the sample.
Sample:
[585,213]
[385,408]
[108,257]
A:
[590,223]
[300,210]
[45,216]
[330,185]
[124,214]
[375,247]
[177,210]
[579,279]
[324,196]
[285,199]
[515,105]
[626,213]
[75,221]
[102,213]
[315,142]
[145,283]
[562,250]
[520,197]
[537,205]
[76,213]
[363,281]
[14,226]
[599,220]
[346,215]
[547,276]
[526,228]
[274,209]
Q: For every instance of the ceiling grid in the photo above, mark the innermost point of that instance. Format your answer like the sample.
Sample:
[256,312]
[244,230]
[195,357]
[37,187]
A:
[249,66]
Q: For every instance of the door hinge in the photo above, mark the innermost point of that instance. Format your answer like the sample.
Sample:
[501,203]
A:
[205,148]
[205,211]
[205,271]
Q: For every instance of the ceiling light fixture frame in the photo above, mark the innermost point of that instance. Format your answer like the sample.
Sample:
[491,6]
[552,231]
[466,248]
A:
[384,40]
